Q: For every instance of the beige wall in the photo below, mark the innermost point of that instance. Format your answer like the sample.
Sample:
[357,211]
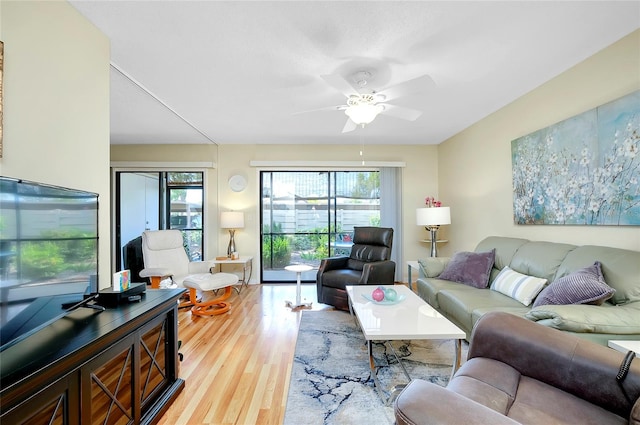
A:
[56,103]
[421,169]
[475,165]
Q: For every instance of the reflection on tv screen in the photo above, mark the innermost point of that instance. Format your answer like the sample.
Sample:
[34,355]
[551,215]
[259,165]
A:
[48,245]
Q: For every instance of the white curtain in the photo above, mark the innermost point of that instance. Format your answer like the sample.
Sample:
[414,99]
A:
[391,211]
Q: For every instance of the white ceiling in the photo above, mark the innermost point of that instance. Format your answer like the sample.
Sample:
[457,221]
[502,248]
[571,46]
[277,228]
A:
[236,72]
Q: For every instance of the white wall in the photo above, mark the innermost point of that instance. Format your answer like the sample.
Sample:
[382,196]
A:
[56,103]
[475,165]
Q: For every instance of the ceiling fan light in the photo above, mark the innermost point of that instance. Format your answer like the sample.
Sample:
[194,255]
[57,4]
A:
[363,113]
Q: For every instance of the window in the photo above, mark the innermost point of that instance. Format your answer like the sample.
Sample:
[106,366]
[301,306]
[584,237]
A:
[309,215]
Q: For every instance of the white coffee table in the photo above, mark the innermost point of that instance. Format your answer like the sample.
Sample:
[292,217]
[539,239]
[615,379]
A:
[298,269]
[409,319]
[625,346]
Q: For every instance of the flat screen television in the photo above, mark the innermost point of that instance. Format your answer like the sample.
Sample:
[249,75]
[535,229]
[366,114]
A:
[48,255]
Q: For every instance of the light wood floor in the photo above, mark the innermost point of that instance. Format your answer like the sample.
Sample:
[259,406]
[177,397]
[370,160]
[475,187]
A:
[237,365]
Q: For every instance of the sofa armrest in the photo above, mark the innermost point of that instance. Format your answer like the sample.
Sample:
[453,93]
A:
[572,364]
[378,272]
[432,266]
[332,263]
[606,318]
[425,403]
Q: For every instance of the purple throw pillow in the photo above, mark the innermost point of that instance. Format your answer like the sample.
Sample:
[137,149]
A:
[584,286]
[470,268]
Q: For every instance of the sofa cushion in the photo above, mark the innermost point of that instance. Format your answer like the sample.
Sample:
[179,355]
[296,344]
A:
[585,286]
[486,381]
[541,259]
[470,268]
[340,278]
[428,289]
[505,248]
[421,401]
[518,286]
[518,310]
[606,318]
[458,304]
[620,267]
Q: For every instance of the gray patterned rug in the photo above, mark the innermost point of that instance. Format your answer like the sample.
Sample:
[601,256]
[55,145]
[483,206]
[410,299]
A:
[331,379]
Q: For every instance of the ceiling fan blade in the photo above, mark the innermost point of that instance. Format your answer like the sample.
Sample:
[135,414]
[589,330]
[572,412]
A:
[327,108]
[410,87]
[401,112]
[349,126]
[339,83]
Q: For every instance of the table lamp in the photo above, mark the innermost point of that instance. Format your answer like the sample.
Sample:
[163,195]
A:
[232,220]
[432,218]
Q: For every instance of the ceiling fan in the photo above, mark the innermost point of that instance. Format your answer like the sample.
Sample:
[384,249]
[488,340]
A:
[363,106]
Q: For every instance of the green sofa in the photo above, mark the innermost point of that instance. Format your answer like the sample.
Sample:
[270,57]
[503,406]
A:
[616,318]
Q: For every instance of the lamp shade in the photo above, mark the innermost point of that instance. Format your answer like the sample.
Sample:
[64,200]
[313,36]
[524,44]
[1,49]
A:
[435,216]
[363,113]
[232,220]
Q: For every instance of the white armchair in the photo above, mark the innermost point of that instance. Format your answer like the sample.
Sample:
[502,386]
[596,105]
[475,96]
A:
[167,265]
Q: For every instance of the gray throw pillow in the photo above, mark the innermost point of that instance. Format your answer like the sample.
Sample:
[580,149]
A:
[470,268]
[584,286]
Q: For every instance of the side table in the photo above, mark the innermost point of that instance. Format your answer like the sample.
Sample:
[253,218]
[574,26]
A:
[247,269]
[411,265]
[298,269]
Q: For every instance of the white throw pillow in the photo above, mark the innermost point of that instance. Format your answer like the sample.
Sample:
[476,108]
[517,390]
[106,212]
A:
[518,286]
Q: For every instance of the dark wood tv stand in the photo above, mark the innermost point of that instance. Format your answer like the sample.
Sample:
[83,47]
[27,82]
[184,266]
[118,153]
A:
[116,366]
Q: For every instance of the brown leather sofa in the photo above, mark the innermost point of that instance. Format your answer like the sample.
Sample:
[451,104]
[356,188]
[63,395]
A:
[520,372]
[367,264]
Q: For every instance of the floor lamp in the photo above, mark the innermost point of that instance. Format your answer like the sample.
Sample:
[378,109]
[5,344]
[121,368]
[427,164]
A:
[432,218]
[232,220]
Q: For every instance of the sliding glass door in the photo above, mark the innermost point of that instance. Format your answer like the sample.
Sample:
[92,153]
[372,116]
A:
[306,216]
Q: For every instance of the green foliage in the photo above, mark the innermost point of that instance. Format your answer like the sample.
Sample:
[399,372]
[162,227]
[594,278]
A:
[79,248]
[317,245]
[276,251]
[47,259]
[374,221]
[368,185]
[42,259]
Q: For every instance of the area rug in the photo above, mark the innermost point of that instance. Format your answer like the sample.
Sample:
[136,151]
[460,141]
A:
[331,381]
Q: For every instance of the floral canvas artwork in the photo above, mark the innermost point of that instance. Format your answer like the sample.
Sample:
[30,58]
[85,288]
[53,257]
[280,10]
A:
[582,171]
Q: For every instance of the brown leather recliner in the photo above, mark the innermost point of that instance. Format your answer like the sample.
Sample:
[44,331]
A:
[521,372]
[368,264]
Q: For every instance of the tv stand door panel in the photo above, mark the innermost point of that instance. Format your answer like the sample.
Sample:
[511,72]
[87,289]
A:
[56,405]
[108,384]
[130,380]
